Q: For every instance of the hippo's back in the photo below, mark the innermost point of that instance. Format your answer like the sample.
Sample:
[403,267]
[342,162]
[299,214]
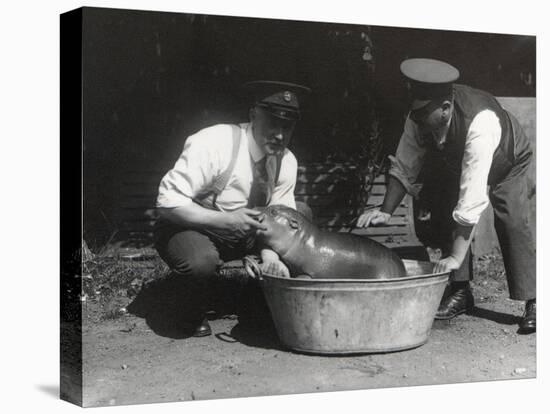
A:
[344,255]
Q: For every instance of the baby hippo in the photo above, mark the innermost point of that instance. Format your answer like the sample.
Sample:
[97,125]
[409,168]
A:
[307,250]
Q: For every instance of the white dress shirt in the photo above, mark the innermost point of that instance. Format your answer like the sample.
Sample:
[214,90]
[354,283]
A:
[207,154]
[482,139]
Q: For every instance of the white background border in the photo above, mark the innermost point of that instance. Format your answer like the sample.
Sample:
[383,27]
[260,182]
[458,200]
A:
[30,207]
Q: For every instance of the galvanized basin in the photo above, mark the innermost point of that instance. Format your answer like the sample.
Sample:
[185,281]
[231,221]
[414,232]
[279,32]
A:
[342,316]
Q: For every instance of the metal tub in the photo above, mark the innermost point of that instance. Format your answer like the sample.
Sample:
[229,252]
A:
[341,316]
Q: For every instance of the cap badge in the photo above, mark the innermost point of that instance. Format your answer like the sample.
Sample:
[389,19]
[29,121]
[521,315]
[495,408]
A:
[287,96]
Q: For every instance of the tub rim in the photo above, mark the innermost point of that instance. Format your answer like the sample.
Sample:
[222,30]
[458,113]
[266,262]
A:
[422,276]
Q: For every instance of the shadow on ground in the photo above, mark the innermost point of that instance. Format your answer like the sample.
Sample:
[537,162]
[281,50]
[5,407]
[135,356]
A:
[257,333]
[498,317]
[168,305]
[51,390]
[172,305]
[477,312]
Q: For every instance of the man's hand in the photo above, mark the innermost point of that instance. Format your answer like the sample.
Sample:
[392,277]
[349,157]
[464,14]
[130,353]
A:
[462,236]
[239,223]
[374,217]
[446,265]
[242,222]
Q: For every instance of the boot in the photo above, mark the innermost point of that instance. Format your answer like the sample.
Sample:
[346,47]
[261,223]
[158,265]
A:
[459,301]
[202,328]
[528,323]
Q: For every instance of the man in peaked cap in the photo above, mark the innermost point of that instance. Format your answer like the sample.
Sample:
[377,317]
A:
[471,142]
[206,201]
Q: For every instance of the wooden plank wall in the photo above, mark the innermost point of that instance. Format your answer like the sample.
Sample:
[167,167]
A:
[329,189]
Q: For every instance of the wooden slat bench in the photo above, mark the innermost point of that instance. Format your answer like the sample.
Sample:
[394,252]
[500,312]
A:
[328,188]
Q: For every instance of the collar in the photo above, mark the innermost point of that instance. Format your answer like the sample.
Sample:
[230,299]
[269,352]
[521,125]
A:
[441,142]
[255,151]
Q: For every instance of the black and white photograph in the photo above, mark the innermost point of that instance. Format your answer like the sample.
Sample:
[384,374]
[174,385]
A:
[303,203]
[277,207]
[253,205]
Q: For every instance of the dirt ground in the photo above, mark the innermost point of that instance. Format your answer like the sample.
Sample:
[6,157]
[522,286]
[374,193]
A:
[136,351]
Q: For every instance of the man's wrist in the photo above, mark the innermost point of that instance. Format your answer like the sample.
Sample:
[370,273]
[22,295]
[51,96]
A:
[455,259]
[462,238]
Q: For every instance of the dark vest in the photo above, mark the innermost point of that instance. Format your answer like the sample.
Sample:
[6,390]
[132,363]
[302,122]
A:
[513,147]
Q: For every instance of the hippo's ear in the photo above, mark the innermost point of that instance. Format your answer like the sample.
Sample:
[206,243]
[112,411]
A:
[294,223]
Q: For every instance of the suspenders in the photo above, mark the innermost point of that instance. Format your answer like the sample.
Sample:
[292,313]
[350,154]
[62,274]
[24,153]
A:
[221,181]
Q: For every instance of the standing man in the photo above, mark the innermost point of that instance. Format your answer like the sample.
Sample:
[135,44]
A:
[206,201]
[471,142]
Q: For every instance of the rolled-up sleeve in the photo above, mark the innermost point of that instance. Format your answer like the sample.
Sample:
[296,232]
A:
[408,159]
[283,193]
[193,172]
[481,141]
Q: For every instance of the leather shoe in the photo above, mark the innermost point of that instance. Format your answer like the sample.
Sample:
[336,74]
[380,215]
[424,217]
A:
[202,329]
[458,302]
[528,323]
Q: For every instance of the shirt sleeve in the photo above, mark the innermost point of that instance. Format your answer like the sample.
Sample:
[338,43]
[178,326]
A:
[408,159]
[481,142]
[194,171]
[283,193]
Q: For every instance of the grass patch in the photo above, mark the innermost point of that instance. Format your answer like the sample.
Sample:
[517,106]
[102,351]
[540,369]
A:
[109,283]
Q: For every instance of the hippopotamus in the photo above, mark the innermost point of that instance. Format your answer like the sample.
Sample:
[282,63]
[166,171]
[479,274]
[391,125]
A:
[307,250]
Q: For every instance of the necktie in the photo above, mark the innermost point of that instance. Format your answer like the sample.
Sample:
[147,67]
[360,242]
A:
[263,181]
[260,191]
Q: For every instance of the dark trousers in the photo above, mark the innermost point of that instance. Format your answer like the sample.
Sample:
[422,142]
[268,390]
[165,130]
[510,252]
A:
[513,204]
[194,257]
[512,199]
[197,254]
